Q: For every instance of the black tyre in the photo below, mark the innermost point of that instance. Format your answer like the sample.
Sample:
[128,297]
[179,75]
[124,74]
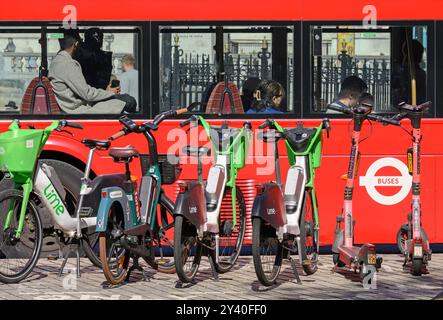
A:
[162,244]
[267,252]
[187,250]
[417,267]
[308,236]
[18,257]
[230,244]
[114,258]
[403,238]
[70,178]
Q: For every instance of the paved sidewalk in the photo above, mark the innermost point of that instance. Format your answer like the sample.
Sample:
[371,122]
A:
[240,283]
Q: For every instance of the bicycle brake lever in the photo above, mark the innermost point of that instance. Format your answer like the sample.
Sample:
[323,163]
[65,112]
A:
[190,127]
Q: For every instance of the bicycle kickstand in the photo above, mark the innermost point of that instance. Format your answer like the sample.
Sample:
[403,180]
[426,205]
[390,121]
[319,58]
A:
[213,269]
[136,266]
[294,269]
[74,246]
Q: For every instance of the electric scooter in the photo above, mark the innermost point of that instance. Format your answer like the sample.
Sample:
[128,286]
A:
[412,239]
[345,253]
[286,221]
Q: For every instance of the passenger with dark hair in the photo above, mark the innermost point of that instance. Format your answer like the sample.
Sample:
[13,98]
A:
[367,99]
[248,90]
[401,79]
[72,92]
[267,98]
[96,64]
[351,90]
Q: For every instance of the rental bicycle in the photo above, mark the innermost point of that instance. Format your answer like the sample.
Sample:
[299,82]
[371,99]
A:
[199,225]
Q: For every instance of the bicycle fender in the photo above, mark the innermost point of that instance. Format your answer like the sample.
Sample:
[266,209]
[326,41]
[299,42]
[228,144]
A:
[270,205]
[191,204]
[112,196]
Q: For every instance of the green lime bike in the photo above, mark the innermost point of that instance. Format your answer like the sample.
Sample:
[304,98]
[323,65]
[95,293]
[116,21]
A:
[285,218]
[200,227]
[37,187]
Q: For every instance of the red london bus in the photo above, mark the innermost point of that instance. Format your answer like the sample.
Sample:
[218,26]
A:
[182,47]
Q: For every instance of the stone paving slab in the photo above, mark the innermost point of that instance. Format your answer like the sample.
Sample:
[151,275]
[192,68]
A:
[241,283]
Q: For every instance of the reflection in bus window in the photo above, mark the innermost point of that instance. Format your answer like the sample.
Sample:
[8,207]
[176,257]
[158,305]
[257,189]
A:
[377,56]
[19,61]
[196,61]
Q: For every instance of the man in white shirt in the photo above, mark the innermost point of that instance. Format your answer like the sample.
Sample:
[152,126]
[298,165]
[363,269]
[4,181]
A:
[129,78]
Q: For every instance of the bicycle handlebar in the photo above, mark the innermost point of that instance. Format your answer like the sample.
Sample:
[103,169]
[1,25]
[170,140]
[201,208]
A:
[131,126]
[65,123]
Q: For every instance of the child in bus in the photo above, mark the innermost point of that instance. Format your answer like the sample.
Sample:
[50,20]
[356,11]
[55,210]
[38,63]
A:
[267,98]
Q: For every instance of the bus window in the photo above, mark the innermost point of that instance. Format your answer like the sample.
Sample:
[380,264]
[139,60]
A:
[20,54]
[196,60]
[117,56]
[378,56]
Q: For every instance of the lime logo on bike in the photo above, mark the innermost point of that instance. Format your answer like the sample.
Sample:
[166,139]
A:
[54,200]
[2,151]
[402,182]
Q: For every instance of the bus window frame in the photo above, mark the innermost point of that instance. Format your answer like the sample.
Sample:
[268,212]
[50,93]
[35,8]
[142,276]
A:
[155,43]
[307,101]
[143,53]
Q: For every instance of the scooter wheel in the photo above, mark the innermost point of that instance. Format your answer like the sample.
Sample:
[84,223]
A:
[336,260]
[417,267]
[403,237]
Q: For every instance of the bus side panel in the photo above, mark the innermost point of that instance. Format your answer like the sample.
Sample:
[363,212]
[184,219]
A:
[375,222]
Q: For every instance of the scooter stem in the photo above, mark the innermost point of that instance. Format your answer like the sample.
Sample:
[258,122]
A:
[416,203]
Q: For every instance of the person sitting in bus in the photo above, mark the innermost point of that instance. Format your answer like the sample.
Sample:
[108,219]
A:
[351,90]
[96,64]
[267,98]
[72,92]
[401,78]
[248,90]
[129,77]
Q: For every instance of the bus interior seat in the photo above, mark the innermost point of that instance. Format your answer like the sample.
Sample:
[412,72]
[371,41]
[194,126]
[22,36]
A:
[215,106]
[39,98]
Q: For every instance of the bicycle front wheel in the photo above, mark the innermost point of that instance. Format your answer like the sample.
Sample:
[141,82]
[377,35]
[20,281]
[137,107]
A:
[18,256]
[231,239]
[267,252]
[187,249]
[309,236]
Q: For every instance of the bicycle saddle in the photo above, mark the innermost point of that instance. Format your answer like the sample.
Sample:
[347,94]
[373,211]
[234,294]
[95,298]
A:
[196,151]
[99,144]
[124,154]
[299,137]
[411,108]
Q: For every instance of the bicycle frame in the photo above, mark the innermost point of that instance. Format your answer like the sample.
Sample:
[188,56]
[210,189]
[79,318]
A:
[227,162]
[151,193]
[26,180]
[313,155]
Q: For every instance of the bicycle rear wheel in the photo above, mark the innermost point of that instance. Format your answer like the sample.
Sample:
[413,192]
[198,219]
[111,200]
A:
[231,242]
[267,252]
[18,257]
[114,258]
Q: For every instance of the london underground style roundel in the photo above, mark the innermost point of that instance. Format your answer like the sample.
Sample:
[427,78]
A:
[370,181]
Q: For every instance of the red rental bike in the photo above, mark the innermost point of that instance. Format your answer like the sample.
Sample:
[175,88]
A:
[412,239]
[345,253]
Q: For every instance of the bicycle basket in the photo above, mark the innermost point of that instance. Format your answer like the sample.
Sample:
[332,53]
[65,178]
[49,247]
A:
[19,151]
[169,167]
